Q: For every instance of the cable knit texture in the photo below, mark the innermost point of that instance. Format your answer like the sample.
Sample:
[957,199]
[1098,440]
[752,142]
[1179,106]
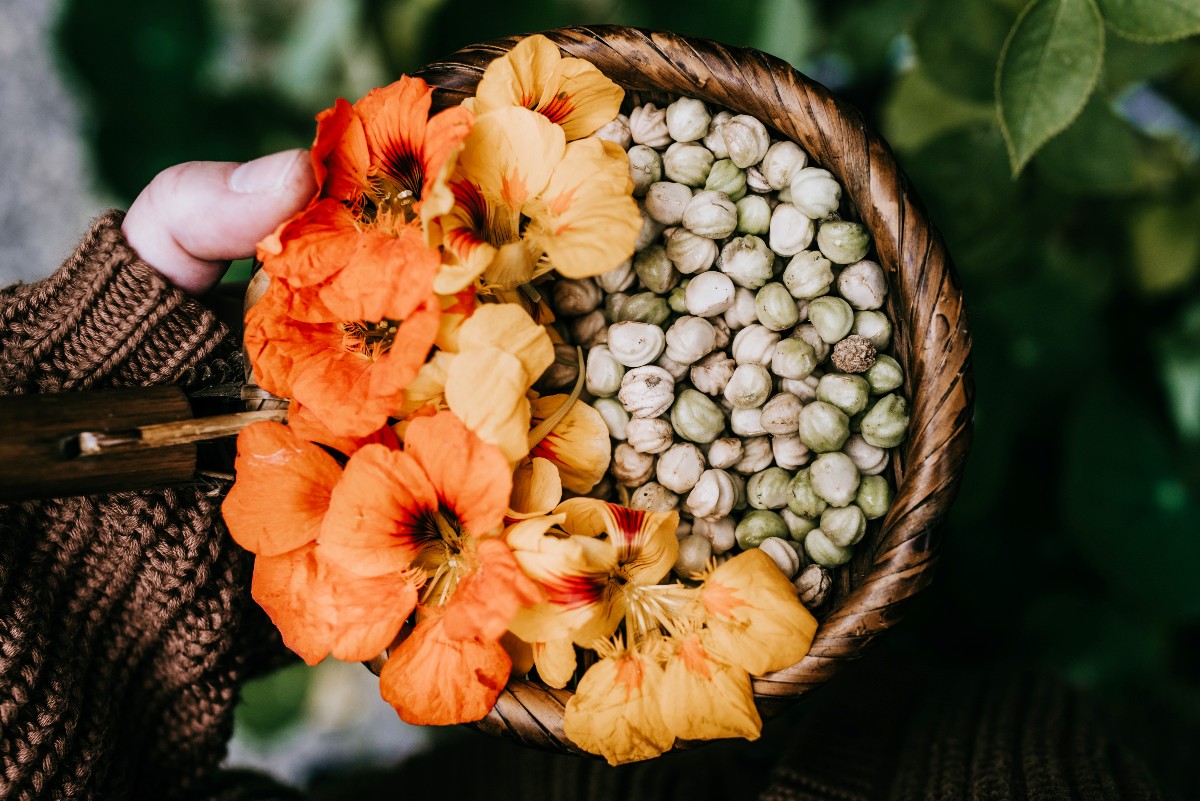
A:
[121,616]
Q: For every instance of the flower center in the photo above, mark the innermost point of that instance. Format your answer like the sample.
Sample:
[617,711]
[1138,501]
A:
[444,557]
[371,340]
[651,608]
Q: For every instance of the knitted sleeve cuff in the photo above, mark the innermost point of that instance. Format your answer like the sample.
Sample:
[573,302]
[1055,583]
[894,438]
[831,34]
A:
[104,319]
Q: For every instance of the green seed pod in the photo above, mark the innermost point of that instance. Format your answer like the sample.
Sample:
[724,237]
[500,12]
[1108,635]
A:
[793,358]
[874,497]
[603,372]
[842,241]
[725,176]
[847,392]
[687,164]
[696,418]
[844,526]
[775,307]
[757,526]
[677,300]
[834,478]
[823,427]
[886,424]
[798,527]
[808,275]
[656,271]
[694,553]
[753,215]
[768,489]
[644,307]
[832,317]
[614,416]
[802,498]
[823,552]
[875,326]
[884,375]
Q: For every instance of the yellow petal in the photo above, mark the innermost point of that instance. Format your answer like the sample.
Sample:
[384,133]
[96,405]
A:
[704,698]
[587,220]
[456,309]
[555,661]
[514,264]
[615,711]
[754,619]
[579,446]
[474,231]
[536,489]
[645,542]
[429,385]
[510,154]
[485,388]
[508,327]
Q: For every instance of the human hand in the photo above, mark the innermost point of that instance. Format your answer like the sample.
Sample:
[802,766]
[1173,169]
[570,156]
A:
[193,218]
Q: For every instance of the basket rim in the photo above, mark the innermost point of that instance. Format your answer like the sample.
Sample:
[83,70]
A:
[931,337]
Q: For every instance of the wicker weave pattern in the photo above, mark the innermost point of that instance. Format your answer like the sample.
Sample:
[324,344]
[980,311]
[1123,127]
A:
[931,339]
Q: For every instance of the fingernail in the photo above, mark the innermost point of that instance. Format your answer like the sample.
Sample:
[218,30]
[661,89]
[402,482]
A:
[266,174]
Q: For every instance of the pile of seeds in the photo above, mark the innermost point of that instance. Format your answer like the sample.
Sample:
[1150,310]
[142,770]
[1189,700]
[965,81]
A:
[738,358]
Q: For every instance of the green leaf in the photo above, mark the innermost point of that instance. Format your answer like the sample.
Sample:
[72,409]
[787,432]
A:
[1048,68]
[918,110]
[1152,20]
[273,703]
[1095,155]
[958,43]
[1166,246]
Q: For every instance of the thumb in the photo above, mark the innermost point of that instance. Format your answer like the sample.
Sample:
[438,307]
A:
[193,218]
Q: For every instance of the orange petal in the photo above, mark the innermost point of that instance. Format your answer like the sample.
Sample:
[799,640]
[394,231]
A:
[645,542]
[282,490]
[395,117]
[755,620]
[444,139]
[379,515]
[706,699]
[313,245]
[519,651]
[536,489]
[339,153]
[472,479]
[486,600]
[370,611]
[385,278]
[579,446]
[434,680]
[288,590]
[306,425]
[615,711]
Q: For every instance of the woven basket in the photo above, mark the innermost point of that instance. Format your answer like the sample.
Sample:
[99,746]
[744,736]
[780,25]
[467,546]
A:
[930,340]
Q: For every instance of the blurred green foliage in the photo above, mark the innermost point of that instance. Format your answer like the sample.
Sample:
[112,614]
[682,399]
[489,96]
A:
[1075,542]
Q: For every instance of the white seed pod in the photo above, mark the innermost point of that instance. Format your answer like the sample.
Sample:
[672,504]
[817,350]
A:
[742,313]
[793,358]
[755,344]
[713,496]
[713,139]
[815,192]
[789,451]
[739,487]
[694,553]
[870,460]
[709,294]
[791,230]
[575,296]
[724,335]
[844,525]
[808,332]
[678,370]
[749,387]
[781,414]
[650,231]
[720,532]
[613,304]
[834,478]
[590,330]
[616,130]
[782,161]
[725,452]
[687,119]
[783,555]
[711,374]
[689,339]
[635,344]
[746,139]
[808,275]
[747,260]
[603,372]
[653,497]
[847,392]
[756,456]
[647,391]
[756,181]
[618,279]
[831,316]
[687,164]
[843,241]
[690,253]
[666,201]
[873,325]
[863,285]
[630,468]
[747,422]
[648,126]
[614,416]
[649,434]
[645,168]
[753,215]
[679,467]
[803,388]
[710,214]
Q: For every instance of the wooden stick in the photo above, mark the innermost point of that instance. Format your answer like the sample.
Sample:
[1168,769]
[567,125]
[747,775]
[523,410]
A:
[181,432]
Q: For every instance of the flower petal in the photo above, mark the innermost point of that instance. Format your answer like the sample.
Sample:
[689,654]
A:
[579,446]
[510,154]
[706,699]
[510,328]
[555,661]
[755,620]
[313,245]
[434,680]
[536,489]
[645,542]
[487,599]
[287,588]
[386,277]
[282,490]
[615,711]
[306,425]
[500,415]
[339,153]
